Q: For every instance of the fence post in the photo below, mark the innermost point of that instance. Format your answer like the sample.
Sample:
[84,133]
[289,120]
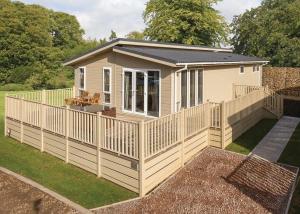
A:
[21,119]
[141,157]
[5,114]
[44,96]
[99,134]
[182,130]
[223,125]
[43,118]
[74,91]
[67,132]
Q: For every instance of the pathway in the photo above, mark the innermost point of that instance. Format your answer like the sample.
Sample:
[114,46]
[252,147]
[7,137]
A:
[273,144]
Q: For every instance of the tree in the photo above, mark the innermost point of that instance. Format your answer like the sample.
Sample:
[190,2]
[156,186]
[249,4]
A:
[113,35]
[185,21]
[135,35]
[33,42]
[271,31]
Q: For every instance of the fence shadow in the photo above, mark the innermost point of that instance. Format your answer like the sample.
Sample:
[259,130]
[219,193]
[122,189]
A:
[267,183]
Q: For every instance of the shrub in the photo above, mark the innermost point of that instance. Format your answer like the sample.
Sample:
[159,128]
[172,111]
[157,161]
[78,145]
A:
[15,87]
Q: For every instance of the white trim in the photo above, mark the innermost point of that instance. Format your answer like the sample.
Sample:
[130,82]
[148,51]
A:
[145,58]
[110,84]
[84,76]
[221,63]
[133,100]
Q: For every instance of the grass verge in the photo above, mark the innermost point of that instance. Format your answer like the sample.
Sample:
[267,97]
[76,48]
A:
[246,142]
[78,185]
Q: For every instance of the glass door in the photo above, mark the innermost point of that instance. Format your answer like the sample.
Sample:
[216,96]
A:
[127,91]
[140,92]
[153,93]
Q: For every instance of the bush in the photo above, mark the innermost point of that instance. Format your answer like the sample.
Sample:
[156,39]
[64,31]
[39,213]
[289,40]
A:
[15,87]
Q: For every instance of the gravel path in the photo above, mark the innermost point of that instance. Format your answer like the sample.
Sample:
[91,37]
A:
[19,197]
[218,181]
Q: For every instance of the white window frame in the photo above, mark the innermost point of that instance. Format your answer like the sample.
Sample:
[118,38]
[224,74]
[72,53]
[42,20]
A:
[242,66]
[84,81]
[145,71]
[103,84]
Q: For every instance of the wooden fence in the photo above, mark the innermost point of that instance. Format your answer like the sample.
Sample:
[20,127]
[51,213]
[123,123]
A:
[135,155]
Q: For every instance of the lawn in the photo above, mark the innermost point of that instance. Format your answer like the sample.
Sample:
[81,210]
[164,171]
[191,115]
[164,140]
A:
[291,156]
[78,185]
[246,142]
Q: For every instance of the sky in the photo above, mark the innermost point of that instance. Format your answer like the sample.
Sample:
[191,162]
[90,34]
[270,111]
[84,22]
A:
[99,17]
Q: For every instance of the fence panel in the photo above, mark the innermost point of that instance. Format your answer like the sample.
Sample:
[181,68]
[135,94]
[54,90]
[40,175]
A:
[35,96]
[215,115]
[161,133]
[239,108]
[242,90]
[120,136]
[83,126]
[196,119]
[55,119]
[57,97]
[31,113]
[13,107]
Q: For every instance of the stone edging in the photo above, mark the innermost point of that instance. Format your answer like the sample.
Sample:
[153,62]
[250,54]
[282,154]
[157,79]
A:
[47,191]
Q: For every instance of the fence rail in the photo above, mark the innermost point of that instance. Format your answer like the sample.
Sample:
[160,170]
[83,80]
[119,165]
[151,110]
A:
[50,97]
[242,90]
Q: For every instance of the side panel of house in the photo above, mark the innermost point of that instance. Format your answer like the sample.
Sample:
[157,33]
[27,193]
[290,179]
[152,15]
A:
[115,61]
[119,170]
[123,61]
[55,145]
[218,81]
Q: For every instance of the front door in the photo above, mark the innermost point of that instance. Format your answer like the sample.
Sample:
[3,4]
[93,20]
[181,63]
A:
[141,92]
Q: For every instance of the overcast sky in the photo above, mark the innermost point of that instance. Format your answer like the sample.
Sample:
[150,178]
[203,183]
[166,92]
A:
[98,17]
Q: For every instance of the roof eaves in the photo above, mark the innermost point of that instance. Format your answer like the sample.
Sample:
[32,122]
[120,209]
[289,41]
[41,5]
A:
[222,63]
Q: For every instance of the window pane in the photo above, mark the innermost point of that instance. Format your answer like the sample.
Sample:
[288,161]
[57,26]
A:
[140,93]
[242,69]
[153,93]
[192,88]
[200,87]
[107,98]
[106,80]
[81,78]
[184,89]
[128,91]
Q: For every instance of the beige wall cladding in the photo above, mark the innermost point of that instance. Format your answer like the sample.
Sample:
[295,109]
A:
[15,129]
[161,167]
[83,156]
[195,144]
[55,145]
[32,136]
[232,132]
[215,137]
[119,170]
[94,77]
[218,81]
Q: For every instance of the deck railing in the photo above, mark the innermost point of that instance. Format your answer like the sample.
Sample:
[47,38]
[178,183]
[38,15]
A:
[242,90]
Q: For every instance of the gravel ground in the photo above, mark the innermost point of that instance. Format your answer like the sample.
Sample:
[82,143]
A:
[218,182]
[19,197]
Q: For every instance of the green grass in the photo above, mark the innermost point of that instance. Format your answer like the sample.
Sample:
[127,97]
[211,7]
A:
[291,156]
[78,185]
[246,142]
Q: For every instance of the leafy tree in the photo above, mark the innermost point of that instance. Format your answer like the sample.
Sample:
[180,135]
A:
[33,42]
[113,35]
[271,31]
[185,21]
[135,35]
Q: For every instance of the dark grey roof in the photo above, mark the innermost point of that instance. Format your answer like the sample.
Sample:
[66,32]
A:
[187,56]
[141,42]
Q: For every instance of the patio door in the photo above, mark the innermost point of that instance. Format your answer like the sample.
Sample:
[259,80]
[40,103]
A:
[141,92]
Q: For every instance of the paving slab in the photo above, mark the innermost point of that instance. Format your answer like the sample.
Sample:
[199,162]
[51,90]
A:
[273,144]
